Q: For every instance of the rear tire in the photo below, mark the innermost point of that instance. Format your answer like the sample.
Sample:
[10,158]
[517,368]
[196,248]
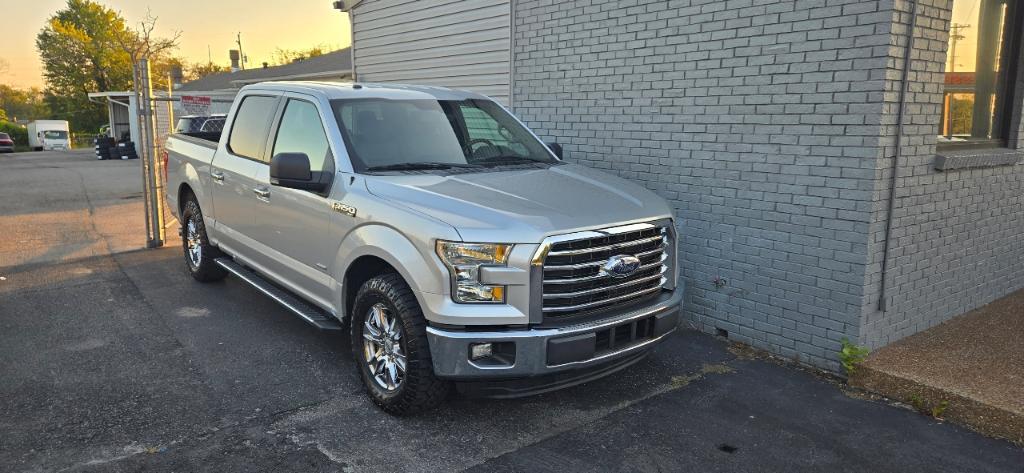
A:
[199,253]
[385,304]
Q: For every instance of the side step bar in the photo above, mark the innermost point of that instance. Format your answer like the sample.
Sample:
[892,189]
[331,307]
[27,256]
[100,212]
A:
[313,315]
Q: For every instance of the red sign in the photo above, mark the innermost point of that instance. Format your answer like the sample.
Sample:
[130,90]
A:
[196,105]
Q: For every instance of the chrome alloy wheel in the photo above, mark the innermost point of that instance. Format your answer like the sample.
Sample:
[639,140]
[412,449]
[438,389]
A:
[383,348]
[194,243]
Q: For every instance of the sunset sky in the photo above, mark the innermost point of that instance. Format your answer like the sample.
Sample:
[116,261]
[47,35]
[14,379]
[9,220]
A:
[265,25]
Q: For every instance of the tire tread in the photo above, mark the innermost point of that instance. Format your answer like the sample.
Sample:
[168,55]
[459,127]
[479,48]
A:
[422,391]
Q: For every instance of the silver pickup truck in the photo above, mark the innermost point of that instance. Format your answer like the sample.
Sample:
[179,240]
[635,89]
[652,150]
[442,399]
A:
[454,245]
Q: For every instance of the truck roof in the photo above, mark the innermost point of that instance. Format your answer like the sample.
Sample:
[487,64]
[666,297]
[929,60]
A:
[344,90]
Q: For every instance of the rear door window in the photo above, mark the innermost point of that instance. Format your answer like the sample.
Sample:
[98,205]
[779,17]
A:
[251,125]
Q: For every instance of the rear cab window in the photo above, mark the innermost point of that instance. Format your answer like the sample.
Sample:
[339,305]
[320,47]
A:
[251,125]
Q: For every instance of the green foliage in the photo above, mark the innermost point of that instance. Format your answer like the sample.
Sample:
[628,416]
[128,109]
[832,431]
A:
[22,104]
[288,56]
[852,355]
[18,133]
[200,70]
[917,402]
[921,406]
[80,52]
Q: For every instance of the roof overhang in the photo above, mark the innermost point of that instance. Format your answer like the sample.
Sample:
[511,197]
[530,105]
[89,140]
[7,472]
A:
[338,74]
[346,5]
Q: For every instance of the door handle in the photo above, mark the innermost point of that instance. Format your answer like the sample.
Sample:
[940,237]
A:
[262,193]
[217,176]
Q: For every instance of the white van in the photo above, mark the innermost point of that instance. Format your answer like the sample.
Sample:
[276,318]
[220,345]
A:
[49,135]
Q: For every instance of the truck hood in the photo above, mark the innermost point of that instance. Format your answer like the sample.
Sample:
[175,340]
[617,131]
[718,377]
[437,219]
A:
[522,206]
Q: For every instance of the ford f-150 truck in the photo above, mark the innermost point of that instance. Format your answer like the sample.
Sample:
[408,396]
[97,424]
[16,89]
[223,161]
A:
[453,244]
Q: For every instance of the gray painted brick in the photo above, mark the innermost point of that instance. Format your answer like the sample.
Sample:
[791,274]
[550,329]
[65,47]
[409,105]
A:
[768,125]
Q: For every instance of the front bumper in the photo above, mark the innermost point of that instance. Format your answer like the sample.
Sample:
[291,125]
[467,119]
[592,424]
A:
[542,351]
[7,148]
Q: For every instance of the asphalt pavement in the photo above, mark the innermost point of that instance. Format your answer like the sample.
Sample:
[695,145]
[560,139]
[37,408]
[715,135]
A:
[113,359]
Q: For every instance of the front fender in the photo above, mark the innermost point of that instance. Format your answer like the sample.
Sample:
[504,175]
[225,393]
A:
[419,267]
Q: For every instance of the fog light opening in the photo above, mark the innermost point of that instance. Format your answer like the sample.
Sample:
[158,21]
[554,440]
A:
[493,354]
[479,351]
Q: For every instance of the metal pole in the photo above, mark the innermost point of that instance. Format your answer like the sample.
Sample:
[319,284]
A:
[241,54]
[141,145]
[152,148]
[901,118]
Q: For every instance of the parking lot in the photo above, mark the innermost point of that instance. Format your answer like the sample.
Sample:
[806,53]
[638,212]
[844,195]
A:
[113,359]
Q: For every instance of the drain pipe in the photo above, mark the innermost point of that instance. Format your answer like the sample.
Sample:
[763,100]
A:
[900,122]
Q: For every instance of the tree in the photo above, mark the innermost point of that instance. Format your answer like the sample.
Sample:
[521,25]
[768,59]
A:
[200,70]
[27,104]
[288,56]
[78,49]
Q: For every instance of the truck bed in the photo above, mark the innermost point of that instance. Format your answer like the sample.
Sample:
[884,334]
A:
[188,155]
[200,136]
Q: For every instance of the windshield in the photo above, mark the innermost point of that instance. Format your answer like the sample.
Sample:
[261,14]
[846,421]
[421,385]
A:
[4,136]
[397,134]
[55,134]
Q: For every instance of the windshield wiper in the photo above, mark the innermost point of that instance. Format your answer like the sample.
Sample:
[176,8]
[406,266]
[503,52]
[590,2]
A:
[504,159]
[418,166]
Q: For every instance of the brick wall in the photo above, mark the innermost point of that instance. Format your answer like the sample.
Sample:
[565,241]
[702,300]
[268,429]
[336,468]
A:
[759,120]
[958,236]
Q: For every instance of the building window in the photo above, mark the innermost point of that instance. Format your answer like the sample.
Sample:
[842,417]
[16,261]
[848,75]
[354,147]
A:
[984,41]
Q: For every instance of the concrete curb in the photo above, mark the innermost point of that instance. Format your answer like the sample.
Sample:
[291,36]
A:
[984,418]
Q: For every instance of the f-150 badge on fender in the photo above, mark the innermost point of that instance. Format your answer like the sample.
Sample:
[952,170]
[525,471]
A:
[345,209]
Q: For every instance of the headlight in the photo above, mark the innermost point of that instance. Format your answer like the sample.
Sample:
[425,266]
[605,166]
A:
[464,261]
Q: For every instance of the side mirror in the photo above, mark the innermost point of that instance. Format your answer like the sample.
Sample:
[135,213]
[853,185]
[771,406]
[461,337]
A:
[555,148]
[292,170]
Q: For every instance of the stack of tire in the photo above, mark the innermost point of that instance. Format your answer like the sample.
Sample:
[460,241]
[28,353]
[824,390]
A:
[105,148]
[126,150]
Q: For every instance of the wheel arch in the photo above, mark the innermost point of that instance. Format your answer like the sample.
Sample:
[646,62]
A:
[361,270]
[372,249]
[184,191]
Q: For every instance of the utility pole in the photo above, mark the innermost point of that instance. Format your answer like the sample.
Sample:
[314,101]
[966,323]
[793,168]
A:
[209,55]
[954,37]
[241,55]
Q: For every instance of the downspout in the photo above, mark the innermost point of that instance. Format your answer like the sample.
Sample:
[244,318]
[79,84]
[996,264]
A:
[900,122]
[352,48]
[512,55]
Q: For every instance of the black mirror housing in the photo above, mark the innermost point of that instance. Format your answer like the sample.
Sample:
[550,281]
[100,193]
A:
[555,148]
[292,170]
[290,167]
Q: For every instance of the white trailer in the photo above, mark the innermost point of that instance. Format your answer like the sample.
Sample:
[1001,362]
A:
[49,134]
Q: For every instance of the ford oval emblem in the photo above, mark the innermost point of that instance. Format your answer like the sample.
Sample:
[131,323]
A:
[621,266]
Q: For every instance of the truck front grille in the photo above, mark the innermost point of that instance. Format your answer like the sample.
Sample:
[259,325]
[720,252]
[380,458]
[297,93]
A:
[573,278]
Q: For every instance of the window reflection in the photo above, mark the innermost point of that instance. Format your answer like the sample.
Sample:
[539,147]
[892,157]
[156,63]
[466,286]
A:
[975,77]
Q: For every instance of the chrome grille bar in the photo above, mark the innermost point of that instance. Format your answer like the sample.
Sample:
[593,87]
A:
[632,282]
[606,301]
[645,267]
[606,248]
[567,267]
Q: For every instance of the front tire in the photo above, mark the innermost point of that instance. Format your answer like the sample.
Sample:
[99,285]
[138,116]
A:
[199,253]
[389,344]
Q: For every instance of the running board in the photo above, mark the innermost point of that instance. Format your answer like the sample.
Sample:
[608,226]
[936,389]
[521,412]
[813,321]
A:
[313,315]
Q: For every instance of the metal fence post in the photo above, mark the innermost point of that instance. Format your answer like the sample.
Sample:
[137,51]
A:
[151,179]
[140,114]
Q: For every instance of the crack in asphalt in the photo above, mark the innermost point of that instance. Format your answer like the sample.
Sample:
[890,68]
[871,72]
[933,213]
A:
[134,449]
[708,369]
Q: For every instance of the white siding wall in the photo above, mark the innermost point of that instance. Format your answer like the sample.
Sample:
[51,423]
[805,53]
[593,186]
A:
[461,44]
